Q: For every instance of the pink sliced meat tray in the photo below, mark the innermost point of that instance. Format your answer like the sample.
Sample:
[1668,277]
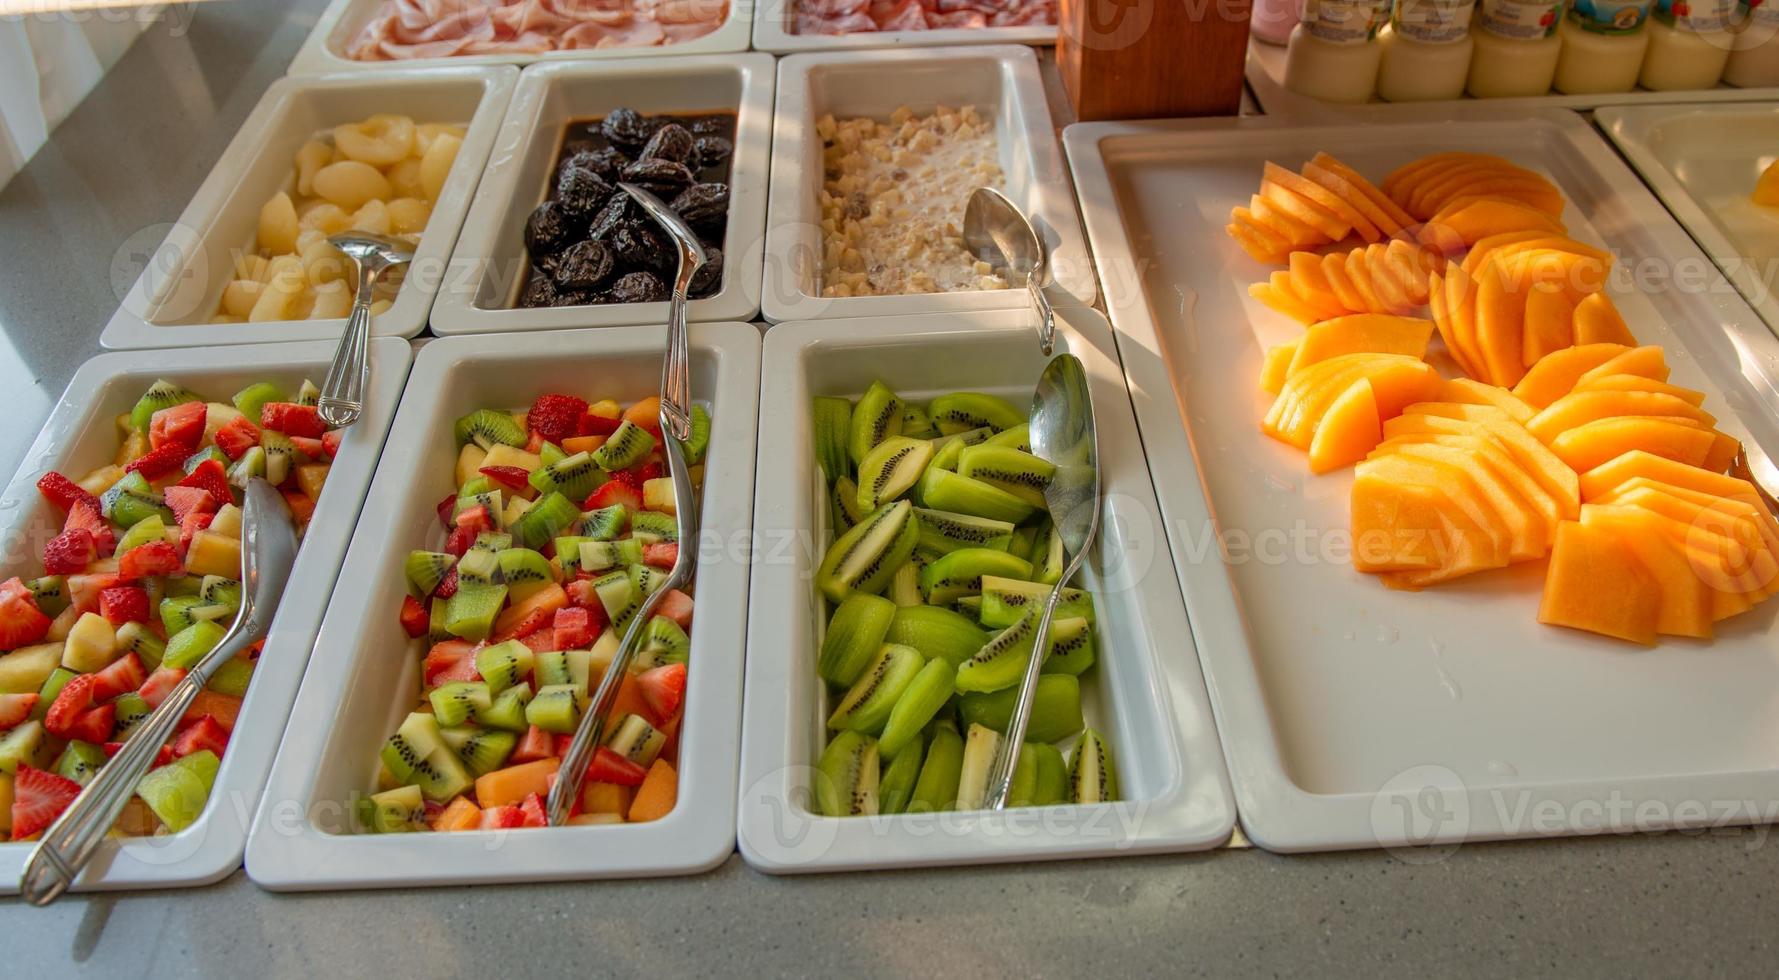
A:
[412,29]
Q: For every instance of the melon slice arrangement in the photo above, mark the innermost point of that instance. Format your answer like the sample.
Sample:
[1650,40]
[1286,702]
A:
[1562,441]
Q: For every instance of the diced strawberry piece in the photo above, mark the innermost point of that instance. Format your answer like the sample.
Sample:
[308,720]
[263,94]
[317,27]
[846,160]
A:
[95,725]
[21,622]
[543,641]
[292,419]
[460,539]
[124,604]
[84,591]
[330,443]
[206,734]
[650,471]
[664,688]
[536,744]
[181,426]
[556,417]
[476,519]
[125,674]
[582,595]
[613,492]
[510,477]
[677,606]
[596,425]
[447,586]
[156,558]
[69,552]
[159,462]
[235,438]
[532,809]
[76,697]
[532,623]
[38,799]
[535,444]
[629,478]
[449,657]
[662,554]
[15,708]
[63,492]
[159,685]
[86,517]
[416,620]
[312,448]
[574,629]
[162,755]
[185,501]
[610,767]
[189,529]
[502,818]
[210,477]
[447,510]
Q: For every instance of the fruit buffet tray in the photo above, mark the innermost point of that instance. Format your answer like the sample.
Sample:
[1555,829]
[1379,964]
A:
[1354,716]
[1145,692]
[81,435]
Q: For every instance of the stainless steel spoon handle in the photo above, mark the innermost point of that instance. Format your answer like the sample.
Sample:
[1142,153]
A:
[1000,773]
[1046,315]
[343,393]
[676,382]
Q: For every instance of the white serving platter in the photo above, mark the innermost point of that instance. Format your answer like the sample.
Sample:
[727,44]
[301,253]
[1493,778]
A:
[1001,81]
[1703,162]
[81,435]
[366,676]
[343,20]
[488,270]
[1358,717]
[1266,75]
[183,279]
[775,20]
[1145,694]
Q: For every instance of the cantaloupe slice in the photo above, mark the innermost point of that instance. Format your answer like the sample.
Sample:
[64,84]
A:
[1465,222]
[1308,282]
[1535,457]
[1389,290]
[1278,296]
[1514,242]
[1636,382]
[1384,212]
[1528,534]
[1460,303]
[1397,380]
[1718,562]
[1417,169]
[1500,328]
[1576,276]
[1422,515]
[1466,391]
[510,786]
[1648,361]
[1723,453]
[1710,524]
[1524,188]
[1581,407]
[1407,185]
[1549,324]
[1595,583]
[1603,440]
[1260,244]
[1354,219]
[1358,272]
[1606,477]
[1284,224]
[1361,334]
[1556,375]
[1597,321]
[1347,431]
[1328,224]
[1277,367]
[1502,463]
[458,815]
[657,795]
[1685,608]
[1334,269]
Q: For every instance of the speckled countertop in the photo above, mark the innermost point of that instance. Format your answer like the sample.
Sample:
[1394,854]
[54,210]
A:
[129,159]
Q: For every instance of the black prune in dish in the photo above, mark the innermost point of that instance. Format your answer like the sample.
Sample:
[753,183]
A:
[671,142]
[639,287]
[549,229]
[702,205]
[713,151]
[638,246]
[584,266]
[539,289]
[628,129]
[709,277]
[580,192]
[663,178]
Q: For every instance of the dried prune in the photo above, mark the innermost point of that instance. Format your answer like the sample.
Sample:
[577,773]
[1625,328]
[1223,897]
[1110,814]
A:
[628,129]
[713,150]
[702,204]
[638,287]
[617,212]
[539,290]
[709,277]
[671,142]
[581,192]
[710,125]
[638,246]
[584,265]
[575,297]
[664,178]
[550,229]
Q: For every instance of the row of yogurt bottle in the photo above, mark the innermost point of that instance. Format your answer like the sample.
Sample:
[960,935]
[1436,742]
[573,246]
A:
[1416,50]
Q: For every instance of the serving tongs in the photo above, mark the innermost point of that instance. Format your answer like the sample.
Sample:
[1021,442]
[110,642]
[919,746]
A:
[269,546]
[676,428]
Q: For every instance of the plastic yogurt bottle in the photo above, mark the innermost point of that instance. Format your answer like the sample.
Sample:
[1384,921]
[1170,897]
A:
[1603,46]
[1426,50]
[1334,54]
[1273,20]
[1516,48]
[1755,61]
[1689,44]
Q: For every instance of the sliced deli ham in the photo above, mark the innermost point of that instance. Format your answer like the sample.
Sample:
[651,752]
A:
[863,16]
[414,29]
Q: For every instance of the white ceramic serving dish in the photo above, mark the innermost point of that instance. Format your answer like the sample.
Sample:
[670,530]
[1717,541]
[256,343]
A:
[343,20]
[80,436]
[366,676]
[1266,75]
[1703,162]
[1355,716]
[1145,694]
[183,279]
[775,22]
[489,268]
[1001,81]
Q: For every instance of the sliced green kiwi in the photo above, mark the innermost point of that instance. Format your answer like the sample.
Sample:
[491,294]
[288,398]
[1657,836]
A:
[944,490]
[575,477]
[551,515]
[855,634]
[282,456]
[470,613]
[475,486]
[1025,541]
[896,785]
[947,449]
[233,677]
[216,590]
[550,668]
[504,664]
[180,586]
[960,573]
[845,498]
[1056,709]
[1021,474]
[252,400]
[525,572]
[190,645]
[308,394]
[131,709]
[50,593]
[864,558]
[568,553]
[831,425]
[549,453]
[637,740]
[663,643]
[79,761]
[868,703]
[916,423]
[648,580]
[396,811]
[891,469]
[1024,781]
[417,755]
[936,632]
[1018,437]
[604,524]
[179,791]
[145,531]
[52,688]
[491,499]
[904,585]
[980,746]
[1093,777]
[964,410]
[488,428]
[1048,559]
[846,778]
[877,416]
[437,619]
[919,702]
[626,446]
[1001,662]
[943,532]
[492,542]
[20,746]
[508,710]
[478,568]
[1072,649]
[555,709]
[251,466]
[425,571]
[698,440]
[454,703]
[653,527]
[1050,780]
[600,556]
[619,595]
[160,395]
[480,750]
[936,789]
[1005,599]
[176,612]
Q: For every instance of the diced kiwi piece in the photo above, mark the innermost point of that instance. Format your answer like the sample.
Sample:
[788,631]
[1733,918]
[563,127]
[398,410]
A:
[130,510]
[604,524]
[651,527]
[438,617]
[904,586]
[220,591]
[1056,709]
[868,703]
[470,613]
[488,428]
[864,558]
[854,635]
[647,580]
[551,667]
[491,499]
[876,417]
[190,645]
[1018,437]
[131,709]
[947,450]
[555,709]
[980,747]
[1004,600]
[480,750]
[1001,662]
[426,570]
[960,573]
[145,531]
[397,811]
[175,793]
[936,789]
[846,778]
[203,456]
[637,740]
[525,572]
[619,595]
[308,394]
[964,410]
[553,514]
[944,490]
[698,440]
[492,541]
[504,664]
[281,456]
[52,689]
[942,532]
[663,643]
[454,703]
[252,400]
[625,447]
[1072,649]
[475,486]
[845,500]
[891,469]
[508,710]
[573,476]
[417,755]
[831,425]
[19,746]
[251,466]
[916,423]
[919,702]
[160,395]
[1050,783]
[600,556]
[1093,776]
[80,761]
[138,639]
[568,553]
[182,586]
[50,593]
[896,784]
[233,677]
[478,567]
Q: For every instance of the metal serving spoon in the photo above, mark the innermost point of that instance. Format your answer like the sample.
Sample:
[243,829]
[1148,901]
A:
[998,233]
[269,547]
[1063,433]
[676,426]
[343,394]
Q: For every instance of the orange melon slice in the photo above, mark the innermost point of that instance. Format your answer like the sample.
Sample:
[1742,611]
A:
[1470,392]
[1362,334]
[1460,301]
[1277,367]
[1291,228]
[1595,583]
[1261,244]
[1609,476]
[1685,608]
[1327,224]
[1557,374]
[1354,219]
[1647,362]
[1549,510]
[1581,407]
[1712,525]
[1383,212]
[1423,515]
[1527,532]
[1465,222]
[1484,250]
[1549,324]
[1534,456]
[1500,328]
[1637,382]
[1603,440]
[1597,321]
[1396,381]
[1347,431]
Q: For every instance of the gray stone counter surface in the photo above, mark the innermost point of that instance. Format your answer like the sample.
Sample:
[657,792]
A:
[127,162]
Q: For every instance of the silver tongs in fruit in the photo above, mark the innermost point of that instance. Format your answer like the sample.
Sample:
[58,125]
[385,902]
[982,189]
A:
[998,233]
[676,428]
[1062,433]
[269,549]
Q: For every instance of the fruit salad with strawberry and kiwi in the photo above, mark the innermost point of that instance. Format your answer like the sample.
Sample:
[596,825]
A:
[142,581]
[562,523]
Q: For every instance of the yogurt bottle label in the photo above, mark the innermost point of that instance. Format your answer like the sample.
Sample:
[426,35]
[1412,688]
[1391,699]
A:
[1610,17]
[1433,21]
[1699,16]
[1343,21]
[1521,20]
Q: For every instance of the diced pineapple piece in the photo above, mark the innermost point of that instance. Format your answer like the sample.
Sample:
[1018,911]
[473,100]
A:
[658,495]
[213,554]
[470,462]
[508,456]
[134,447]
[515,506]
[91,646]
[24,670]
[101,479]
[227,522]
[607,409]
[311,477]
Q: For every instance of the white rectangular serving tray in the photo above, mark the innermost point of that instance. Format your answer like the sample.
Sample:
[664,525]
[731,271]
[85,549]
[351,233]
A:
[1146,693]
[80,436]
[1266,75]
[1002,82]
[488,269]
[366,676]
[325,48]
[774,21]
[1358,717]
[182,279]
[1703,162]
